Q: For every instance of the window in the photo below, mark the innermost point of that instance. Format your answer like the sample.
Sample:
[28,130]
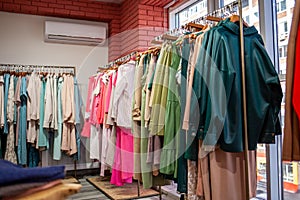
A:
[247,19]
[283,51]
[282,29]
[244,2]
[288,175]
[191,13]
[281,5]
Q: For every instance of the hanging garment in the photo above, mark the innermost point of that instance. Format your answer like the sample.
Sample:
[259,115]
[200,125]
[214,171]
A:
[159,92]
[111,147]
[182,162]
[136,115]
[58,134]
[231,166]
[95,104]
[43,133]
[95,142]
[78,104]
[291,139]
[10,154]
[17,107]
[124,89]
[22,145]
[110,120]
[68,108]
[48,113]
[33,91]
[222,81]
[106,134]
[122,171]
[172,121]
[146,167]
[190,80]
[1,101]
[6,88]
[86,130]
[108,99]
[54,123]
[191,139]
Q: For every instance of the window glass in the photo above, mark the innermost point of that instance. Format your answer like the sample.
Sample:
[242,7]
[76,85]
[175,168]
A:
[281,5]
[192,12]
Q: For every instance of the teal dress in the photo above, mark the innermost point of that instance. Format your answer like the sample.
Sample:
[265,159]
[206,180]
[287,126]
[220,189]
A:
[43,133]
[22,144]
[57,136]
[6,88]
[182,162]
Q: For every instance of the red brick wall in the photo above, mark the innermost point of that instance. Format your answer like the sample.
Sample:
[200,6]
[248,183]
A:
[132,24]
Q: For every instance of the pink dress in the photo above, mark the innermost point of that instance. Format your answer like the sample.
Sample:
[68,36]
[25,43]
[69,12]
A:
[122,171]
[96,103]
[86,130]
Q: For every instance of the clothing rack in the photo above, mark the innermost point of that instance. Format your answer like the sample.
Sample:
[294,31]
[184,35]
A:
[220,13]
[37,68]
[244,98]
[121,59]
[19,68]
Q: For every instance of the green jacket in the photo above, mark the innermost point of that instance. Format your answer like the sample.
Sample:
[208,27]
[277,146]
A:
[218,89]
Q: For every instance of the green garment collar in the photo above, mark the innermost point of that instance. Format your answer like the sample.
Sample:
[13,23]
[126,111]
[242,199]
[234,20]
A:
[236,29]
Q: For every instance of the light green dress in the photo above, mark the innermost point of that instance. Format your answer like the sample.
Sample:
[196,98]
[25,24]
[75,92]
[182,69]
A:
[172,119]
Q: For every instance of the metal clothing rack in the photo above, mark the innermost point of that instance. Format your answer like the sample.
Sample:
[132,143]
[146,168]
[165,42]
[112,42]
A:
[37,68]
[40,69]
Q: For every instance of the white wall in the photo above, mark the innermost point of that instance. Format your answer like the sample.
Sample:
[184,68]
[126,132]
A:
[22,42]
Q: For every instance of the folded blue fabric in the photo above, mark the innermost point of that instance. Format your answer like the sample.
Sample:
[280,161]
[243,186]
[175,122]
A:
[12,174]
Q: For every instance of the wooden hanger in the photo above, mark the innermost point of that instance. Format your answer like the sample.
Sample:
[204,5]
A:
[169,37]
[214,19]
[198,27]
[236,18]
[156,42]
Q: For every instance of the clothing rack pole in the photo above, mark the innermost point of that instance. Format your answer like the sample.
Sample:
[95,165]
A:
[138,188]
[160,192]
[244,99]
[75,169]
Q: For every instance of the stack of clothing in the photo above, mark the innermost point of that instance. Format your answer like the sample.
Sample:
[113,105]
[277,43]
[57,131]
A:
[17,182]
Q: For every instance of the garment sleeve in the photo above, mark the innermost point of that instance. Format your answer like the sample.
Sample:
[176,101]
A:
[48,104]
[197,88]
[120,86]
[136,113]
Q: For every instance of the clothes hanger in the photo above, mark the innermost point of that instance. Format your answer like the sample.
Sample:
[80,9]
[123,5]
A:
[236,18]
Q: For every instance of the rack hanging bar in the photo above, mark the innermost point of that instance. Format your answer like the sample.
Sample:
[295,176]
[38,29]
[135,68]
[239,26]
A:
[212,16]
[121,59]
[244,99]
[38,68]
